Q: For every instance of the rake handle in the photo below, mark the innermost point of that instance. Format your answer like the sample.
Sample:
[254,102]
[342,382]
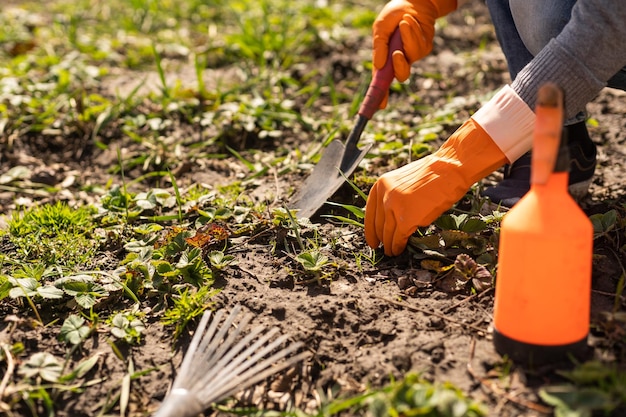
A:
[379,87]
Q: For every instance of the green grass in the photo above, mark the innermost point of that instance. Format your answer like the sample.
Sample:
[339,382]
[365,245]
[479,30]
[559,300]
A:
[53,63]
[54,235]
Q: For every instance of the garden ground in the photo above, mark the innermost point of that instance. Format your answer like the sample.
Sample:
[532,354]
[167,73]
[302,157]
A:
[366,319]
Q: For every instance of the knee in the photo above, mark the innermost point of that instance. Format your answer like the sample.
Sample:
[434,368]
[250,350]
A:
[538,21]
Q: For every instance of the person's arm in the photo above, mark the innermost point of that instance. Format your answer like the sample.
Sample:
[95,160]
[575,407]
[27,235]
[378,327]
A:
[582,58]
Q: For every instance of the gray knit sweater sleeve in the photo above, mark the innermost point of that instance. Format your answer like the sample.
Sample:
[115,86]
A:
[582,58]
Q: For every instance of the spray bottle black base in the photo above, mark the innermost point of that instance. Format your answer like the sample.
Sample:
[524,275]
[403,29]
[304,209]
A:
[532,355]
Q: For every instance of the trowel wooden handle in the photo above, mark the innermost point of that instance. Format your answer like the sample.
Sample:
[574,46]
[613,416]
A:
[382,80]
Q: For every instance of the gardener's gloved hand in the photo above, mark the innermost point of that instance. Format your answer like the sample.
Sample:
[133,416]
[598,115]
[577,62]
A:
[416,194]
[416,21]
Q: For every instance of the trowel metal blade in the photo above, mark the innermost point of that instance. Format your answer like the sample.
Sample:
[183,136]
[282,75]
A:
[329,174]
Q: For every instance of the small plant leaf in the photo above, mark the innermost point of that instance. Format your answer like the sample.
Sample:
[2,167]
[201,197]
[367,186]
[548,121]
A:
[480,276]
[474,225]
[23,287]
[344,219]
[127,327]
[572,401]
[83,288]
[42,365]
[312,261]
[447,222]
[5,287]
[589,373]
[135,246]
[219,260]
[435,266]
[86,300]
[120,326]
[74,287]
[148,228]
[73,330]
[81,369]
[358,212]
[453,237]
[50,292]
[415,397]
[16,173]
[603,222]
[425,242]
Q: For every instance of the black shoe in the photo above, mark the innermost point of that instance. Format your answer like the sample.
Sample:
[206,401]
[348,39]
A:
[516,180]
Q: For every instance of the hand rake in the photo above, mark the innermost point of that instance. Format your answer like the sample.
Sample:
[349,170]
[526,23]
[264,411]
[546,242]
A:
[221,362]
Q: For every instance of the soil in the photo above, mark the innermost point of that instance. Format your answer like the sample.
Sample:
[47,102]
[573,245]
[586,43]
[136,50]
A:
[363,327]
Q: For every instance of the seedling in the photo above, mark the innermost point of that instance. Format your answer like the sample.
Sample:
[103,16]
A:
[127,327]
[219,261]
[155,198]
[42,366]
[287,224]
[117,200]
[370,255]
[44,378]
[313,261]
[84,288]
[463,274]
[192,267]
[5,286]
[357,212]
[31,288]
[603,223]
[468,272]
[74,330]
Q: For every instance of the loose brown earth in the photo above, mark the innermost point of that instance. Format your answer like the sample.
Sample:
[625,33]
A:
[361,328]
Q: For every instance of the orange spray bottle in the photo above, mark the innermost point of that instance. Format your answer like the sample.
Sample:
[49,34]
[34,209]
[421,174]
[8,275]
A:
[543,288]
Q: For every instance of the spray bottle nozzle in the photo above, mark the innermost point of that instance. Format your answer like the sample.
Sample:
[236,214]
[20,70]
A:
[547,136]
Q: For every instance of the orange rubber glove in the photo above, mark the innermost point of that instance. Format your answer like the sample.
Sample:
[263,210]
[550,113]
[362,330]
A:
[416,22]
[417,193]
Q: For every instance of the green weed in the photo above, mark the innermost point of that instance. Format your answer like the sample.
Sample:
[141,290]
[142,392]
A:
[472,235]
[595,387]
[54,234]
[414,396]
[74,330]
[220,261]
[128,327]
[604,223]
[188,304]
[45,379]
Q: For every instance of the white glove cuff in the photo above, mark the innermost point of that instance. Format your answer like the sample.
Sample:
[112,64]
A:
[509,122]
